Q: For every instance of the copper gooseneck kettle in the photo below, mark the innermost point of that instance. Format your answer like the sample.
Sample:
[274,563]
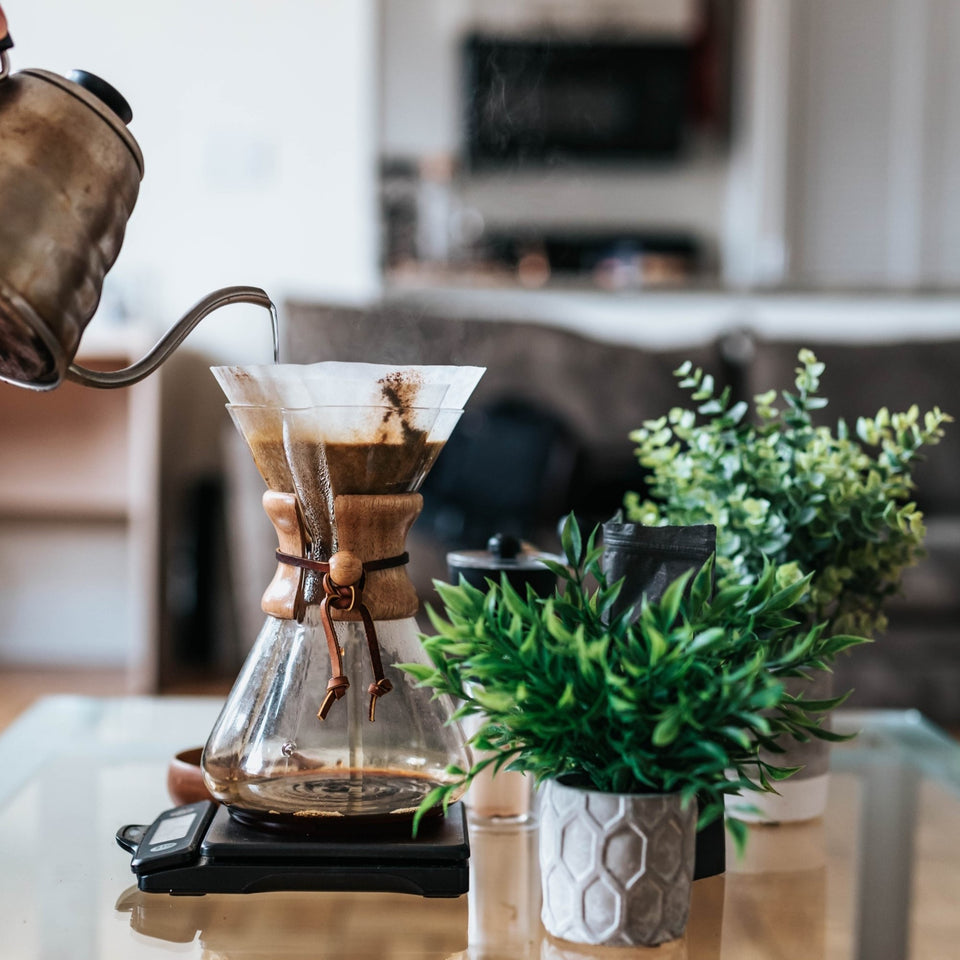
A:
[70,172]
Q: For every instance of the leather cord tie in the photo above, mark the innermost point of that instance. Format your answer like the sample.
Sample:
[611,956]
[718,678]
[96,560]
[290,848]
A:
[343,579]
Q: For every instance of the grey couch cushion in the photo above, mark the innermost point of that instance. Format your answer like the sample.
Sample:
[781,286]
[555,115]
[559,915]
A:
[601,390]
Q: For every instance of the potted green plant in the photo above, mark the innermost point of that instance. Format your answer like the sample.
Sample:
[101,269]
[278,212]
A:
[627,720]
[826,503]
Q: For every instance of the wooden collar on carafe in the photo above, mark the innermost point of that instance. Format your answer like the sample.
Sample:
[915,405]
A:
[365,580]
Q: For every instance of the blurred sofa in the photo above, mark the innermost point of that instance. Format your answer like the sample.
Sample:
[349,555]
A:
[547,430]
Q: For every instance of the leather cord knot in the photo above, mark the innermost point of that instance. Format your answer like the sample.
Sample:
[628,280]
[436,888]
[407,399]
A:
[347,596]
[342,596]
[336,688]
[376,690]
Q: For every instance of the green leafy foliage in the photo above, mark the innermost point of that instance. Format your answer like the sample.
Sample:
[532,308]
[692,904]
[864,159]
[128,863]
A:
[818,502]
[682,699]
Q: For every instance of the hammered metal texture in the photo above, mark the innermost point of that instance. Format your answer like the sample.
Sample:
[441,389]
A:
[616,869]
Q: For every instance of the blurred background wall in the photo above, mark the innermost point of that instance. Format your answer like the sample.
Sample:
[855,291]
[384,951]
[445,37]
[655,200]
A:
[794,178]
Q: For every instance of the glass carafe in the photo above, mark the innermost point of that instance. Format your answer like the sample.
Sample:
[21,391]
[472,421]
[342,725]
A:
[321,730]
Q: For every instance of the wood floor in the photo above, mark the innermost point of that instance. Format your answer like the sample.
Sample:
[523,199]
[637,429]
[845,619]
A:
[20,687]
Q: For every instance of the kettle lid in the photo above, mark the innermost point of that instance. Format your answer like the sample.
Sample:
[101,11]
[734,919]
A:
[99,96]
[103,91]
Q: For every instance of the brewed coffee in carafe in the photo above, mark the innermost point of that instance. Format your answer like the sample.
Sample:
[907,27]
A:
[321,728]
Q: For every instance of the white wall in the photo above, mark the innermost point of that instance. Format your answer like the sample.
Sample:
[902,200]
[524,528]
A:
[843,108]
[754,242]
[876,143]
[257,124]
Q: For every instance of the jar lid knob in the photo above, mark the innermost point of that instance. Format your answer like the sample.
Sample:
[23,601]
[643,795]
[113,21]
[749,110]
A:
[503,546]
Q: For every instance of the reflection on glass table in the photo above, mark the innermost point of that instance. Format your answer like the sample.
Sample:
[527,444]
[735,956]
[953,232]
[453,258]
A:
[878,878]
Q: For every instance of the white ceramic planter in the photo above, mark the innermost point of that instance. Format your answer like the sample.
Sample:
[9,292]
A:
[804,795]
[504,795]
[616,870]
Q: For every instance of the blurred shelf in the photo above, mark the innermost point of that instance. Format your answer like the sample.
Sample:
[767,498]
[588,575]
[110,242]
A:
[79,477]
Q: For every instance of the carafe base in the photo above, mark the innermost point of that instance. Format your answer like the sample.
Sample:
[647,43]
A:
[334,803]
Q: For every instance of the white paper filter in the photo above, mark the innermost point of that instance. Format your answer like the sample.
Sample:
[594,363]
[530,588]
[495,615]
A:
[336,383]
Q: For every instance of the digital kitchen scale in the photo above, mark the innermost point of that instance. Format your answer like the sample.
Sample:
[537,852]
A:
[198,848]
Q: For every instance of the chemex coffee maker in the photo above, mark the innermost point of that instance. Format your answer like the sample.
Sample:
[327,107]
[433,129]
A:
[324,750]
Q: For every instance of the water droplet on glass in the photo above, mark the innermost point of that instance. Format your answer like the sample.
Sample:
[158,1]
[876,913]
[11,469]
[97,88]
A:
[289,748]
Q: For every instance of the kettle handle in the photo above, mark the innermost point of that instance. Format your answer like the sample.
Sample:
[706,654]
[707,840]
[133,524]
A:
[6,42]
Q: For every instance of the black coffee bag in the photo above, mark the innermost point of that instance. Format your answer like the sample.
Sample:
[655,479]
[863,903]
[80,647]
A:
[649,559]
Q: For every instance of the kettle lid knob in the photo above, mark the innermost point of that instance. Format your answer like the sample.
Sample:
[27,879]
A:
[104,92]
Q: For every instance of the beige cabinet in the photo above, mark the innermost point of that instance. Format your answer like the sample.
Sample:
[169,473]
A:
[79,520]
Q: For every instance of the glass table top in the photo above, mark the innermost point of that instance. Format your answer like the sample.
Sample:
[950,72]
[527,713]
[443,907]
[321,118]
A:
[877,878]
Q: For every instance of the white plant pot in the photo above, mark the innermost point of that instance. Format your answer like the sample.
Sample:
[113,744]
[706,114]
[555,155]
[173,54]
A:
[804,795]
[506,794]
[616,869]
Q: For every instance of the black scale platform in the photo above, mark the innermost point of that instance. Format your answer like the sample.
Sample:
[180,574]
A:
[199,848]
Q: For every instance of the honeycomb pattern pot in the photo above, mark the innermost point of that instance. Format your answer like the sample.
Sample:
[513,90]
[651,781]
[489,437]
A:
[616,869]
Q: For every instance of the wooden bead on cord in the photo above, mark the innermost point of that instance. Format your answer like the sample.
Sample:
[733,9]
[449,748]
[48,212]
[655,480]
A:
[346,568]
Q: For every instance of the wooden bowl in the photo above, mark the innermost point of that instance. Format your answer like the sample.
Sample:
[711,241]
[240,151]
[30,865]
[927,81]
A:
[185,779]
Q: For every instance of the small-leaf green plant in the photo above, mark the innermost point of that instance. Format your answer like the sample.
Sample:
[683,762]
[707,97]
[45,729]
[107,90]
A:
[820,503]
[678,699]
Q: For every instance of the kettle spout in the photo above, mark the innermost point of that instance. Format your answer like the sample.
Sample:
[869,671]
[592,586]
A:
[175,336]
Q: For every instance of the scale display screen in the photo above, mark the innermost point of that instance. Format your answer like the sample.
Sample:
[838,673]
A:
[173,828]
